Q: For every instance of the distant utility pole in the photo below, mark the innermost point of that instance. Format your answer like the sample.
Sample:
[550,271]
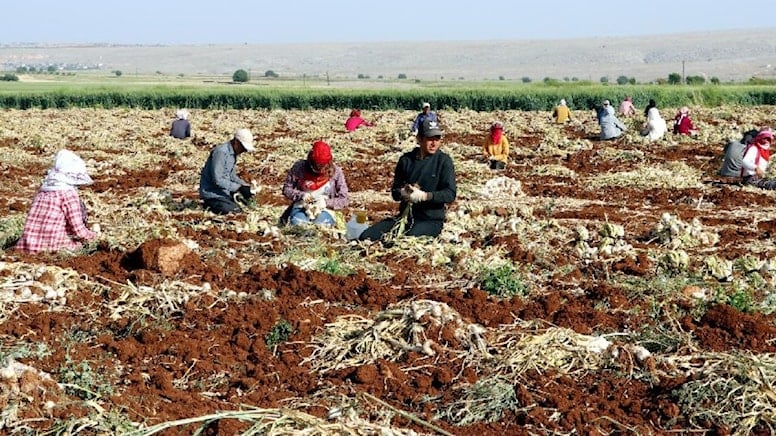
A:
[327,79]
[683,77]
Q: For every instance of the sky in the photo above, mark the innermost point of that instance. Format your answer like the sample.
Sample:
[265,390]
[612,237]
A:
[339,21]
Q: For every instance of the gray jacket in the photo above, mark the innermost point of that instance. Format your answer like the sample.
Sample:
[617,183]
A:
[611,126]
[734,154]
[218,179]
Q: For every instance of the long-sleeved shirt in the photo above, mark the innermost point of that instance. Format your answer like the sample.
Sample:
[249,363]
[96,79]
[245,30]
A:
[422,117]
[498,151]
[561,114]
[354,123]
[335,191]
[180,129]
[683,125]
[611,126]
[435,174]
[55,222]
[752,160]
[218,178]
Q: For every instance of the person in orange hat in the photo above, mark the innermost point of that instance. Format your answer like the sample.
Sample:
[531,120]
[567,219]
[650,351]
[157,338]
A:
[315,186]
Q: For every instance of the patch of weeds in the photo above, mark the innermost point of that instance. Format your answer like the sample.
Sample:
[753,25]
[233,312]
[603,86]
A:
[80,380]
[742,300]
[334,266]
[23,350]
[279,333]
[503,281]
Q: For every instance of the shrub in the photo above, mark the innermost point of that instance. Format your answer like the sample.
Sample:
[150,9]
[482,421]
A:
[622,80]
[240,76]
[270,73]
[604,79]
[402,76]
[9,77]
[503,281]
[674,79]
[526,79]
[696,80]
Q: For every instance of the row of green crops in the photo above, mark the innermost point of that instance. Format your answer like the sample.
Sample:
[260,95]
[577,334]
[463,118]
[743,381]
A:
[528,98]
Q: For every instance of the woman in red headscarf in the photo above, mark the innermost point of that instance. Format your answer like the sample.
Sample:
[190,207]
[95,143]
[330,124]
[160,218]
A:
[496,147]
[315,186]
[754,165]
[355,121]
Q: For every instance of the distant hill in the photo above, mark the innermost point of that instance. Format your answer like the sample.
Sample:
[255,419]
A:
[727,55]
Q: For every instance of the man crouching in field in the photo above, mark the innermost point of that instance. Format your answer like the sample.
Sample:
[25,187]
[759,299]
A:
[218,182]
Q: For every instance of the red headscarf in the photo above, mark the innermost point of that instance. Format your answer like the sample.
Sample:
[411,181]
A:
[764,149]
[320,157]
[495,133]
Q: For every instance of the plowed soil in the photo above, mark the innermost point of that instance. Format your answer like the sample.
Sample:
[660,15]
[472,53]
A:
[210,353]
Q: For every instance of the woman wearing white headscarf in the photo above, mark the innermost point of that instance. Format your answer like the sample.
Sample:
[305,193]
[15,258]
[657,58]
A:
[611,126]
[57,217]
[562,113]
[656,127]
[181,128]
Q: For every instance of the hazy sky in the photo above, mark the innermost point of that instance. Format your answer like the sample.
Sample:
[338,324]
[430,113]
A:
[306,21]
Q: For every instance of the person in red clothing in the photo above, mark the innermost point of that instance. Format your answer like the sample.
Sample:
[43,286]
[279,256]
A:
[355,121]
[57,218]
[683,123]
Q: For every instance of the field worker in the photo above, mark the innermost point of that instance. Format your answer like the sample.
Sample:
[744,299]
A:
[218,182]
[655,128]
[650,105]
[611,126]
[626,107]
[683,123]
[315,186]
[734,154]
[425,179]
[755,161]
[561,114]
[57,217]
[355,121]
[181,128]
[426,114]
[496,147]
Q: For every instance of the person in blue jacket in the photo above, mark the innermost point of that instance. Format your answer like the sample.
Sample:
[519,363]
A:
[426,114]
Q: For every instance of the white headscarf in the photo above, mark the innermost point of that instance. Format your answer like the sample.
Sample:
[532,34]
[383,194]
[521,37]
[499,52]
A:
[563,102]
[68,172]
[182,114]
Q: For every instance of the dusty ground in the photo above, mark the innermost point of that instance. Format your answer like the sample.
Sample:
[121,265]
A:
[134,344]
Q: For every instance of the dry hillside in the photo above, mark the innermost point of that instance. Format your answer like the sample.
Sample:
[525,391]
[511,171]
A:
[728,55]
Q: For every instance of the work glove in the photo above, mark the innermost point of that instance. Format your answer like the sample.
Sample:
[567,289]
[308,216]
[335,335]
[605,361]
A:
[406,191]
[245,191]
[418,195]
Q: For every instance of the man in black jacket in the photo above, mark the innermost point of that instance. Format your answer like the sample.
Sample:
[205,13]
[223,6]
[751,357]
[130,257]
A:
[423,183]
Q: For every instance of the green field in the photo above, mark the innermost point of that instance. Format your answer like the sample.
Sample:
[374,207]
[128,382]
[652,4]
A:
[208,92]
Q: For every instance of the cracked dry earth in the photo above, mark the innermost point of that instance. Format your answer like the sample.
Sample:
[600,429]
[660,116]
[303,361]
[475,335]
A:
[138,343]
